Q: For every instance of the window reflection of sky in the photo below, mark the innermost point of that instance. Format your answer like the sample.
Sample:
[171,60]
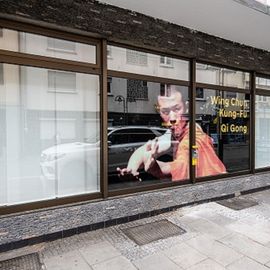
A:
[265,2]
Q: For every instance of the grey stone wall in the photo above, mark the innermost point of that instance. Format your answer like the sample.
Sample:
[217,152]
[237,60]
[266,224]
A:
[128,27]
[63,221]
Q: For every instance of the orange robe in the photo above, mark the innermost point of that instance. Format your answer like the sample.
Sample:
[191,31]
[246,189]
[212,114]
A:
[208,162]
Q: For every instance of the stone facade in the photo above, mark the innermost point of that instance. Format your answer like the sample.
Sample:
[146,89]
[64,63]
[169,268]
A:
[47,224]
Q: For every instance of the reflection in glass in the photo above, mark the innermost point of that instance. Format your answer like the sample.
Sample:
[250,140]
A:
[262,83]
[147,120]
[126,60]
[224,116]
[262,132]
[45,146]
[222,76]
[47,46]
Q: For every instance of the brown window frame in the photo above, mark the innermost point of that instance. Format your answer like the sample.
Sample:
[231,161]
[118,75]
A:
[24,59]
[150,78]
[100,69]
[265,93]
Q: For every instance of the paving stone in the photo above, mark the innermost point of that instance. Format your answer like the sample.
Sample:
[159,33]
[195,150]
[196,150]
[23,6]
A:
[117,263]
[248,247]
[184,255]
[216,218]
[207,265]
[246,264]
[251,232]
[156,261]
[214,250]
[69,261]
[177,250]
[210,229]
[99,252]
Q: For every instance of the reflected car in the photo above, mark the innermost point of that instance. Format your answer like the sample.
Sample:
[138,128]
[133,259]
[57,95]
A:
[79,160]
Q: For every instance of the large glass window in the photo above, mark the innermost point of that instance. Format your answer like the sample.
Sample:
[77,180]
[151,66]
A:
[148,134]
[222,132]
[262,83]
[47,46]
[49,138]
[133,61]
[221,76]
[262,131]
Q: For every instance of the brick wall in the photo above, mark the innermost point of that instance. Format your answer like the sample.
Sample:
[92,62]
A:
[117,24]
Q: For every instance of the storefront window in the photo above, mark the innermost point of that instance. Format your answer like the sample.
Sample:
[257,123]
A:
[222,132]
[262,132]
[49,138]
[126,60]
[148,134]
[47,46]
[262,83]
[221,76]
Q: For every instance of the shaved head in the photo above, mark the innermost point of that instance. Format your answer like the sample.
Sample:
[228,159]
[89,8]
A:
[172,109]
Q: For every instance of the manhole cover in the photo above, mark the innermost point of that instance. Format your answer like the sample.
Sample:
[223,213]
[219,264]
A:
[237,203]
[145,234]
[27,262]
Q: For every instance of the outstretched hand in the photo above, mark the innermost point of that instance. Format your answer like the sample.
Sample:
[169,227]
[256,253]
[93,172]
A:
[128,173]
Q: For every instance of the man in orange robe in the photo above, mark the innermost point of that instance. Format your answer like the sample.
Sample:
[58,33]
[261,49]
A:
[208,162]
[172,110]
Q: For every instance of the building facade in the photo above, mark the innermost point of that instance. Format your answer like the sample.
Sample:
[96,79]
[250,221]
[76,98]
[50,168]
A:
[79,97]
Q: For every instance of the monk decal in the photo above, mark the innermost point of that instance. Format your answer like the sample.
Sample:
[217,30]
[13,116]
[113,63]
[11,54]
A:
[172,111]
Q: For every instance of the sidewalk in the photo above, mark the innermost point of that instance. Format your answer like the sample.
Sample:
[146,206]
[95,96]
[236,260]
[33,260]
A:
[216,237]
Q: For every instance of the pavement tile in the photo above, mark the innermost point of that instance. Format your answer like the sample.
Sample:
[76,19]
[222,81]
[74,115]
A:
[156,262]
[184,255]
[263,196]
[207,265]
[200,248]
[214,250]
[68,261]
[248,247]
[246,264]
[99,252]
[210,229]
[251,232]
[216,218]
[117,263]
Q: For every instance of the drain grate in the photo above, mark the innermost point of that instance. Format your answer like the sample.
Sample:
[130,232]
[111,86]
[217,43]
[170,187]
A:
[237,203]
[147,233]
[26,262]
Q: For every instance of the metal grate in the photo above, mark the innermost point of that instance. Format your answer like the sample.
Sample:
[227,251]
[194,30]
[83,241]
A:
[147,233]
[27,262]
[237,203]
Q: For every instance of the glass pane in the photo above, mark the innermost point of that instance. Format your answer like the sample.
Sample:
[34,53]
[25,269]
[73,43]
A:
[145,116]
[126,60]
[46,46]
[222,76]
[49,140]
[224,117]
[262,132]
[262,83]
